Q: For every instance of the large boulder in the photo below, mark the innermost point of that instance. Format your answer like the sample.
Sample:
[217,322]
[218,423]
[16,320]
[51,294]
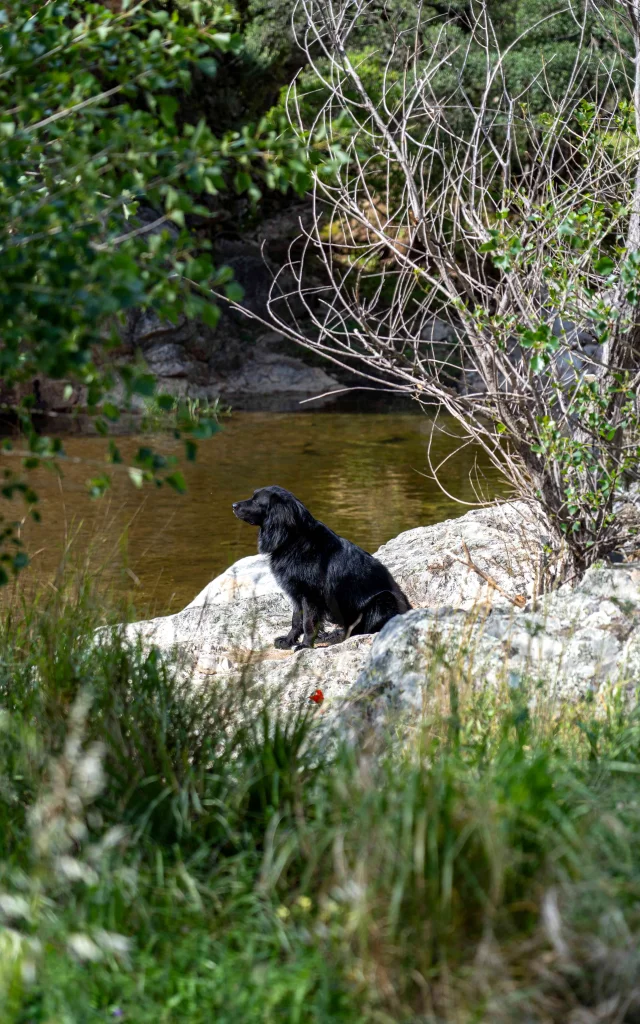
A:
[571,640]
[265,373]
[506,542]
[243,609]
[569,645]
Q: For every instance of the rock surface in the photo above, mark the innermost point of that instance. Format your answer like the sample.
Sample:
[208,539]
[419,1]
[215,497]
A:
[572,641]
[192,360]
[505,542]
[576,640]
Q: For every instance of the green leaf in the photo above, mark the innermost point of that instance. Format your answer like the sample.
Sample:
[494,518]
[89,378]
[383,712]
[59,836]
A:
[302,182]
[242,181]
[20,561]
[199,270]
[144,384]
[111,411]
[114,453]
[210,314]
[177,481]
[98,485]
[224,274]
[208,66]
[234,291]
[537,362]
[168,106]
[205,429]
[502,262]
[604,266]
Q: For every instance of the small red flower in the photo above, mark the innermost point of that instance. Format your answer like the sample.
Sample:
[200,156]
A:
[317,697]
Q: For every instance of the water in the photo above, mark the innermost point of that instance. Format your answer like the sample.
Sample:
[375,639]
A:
[360,473]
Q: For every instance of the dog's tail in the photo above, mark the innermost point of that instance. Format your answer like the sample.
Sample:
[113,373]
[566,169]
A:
[379,609]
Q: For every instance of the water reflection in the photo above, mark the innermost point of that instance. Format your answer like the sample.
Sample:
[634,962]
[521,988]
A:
[360,473]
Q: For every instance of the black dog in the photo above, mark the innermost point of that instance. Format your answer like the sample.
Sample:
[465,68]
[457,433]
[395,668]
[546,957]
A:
[324,576]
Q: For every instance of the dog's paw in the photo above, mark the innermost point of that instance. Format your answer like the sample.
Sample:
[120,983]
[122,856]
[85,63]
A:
[303,647]
[283,643]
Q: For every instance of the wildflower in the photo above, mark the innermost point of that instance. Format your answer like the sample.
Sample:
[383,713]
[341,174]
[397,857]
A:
[317,697]
[283,913]
[304,903]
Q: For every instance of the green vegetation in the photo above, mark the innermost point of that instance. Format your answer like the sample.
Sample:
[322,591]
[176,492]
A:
[90,135]
[132,135]
[170,855]
[108,172]
[475,192]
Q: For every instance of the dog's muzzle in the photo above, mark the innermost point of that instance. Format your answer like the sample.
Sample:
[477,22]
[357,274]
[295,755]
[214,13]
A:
[241,511]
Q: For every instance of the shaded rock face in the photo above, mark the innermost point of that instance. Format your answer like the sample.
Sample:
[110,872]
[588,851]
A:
[240,360]
[572,640]
[193,360]
[579,354]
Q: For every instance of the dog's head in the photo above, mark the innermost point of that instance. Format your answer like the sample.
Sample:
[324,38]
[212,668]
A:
[278,513]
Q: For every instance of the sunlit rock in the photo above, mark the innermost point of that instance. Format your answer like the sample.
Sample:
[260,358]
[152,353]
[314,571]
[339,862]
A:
[480,615]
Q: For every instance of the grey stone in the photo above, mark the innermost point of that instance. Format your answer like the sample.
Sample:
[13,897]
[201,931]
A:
[577,640]
[437,331]
[171,360]
[571,641]
[266,372]
[506,541]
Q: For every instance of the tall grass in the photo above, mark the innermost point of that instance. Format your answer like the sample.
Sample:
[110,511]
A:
[174,854]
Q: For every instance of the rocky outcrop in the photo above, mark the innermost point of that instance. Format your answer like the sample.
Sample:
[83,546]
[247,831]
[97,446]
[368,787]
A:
[192,360]
[240,612]
[507,543]
[571,641]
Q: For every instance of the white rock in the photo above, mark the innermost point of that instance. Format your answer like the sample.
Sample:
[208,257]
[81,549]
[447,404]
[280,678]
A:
[271,373]
[571,641]
[247,578]
[505,541]
[573,644]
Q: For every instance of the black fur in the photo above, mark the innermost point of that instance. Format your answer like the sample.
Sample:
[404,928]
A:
[326,577]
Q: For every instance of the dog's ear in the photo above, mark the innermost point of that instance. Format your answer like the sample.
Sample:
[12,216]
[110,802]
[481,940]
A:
[286,517]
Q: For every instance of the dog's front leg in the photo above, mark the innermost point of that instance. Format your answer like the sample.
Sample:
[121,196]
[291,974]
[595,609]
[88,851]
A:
[311,624]
[284,643]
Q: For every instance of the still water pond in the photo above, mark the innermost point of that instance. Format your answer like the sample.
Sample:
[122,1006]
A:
[358,472]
